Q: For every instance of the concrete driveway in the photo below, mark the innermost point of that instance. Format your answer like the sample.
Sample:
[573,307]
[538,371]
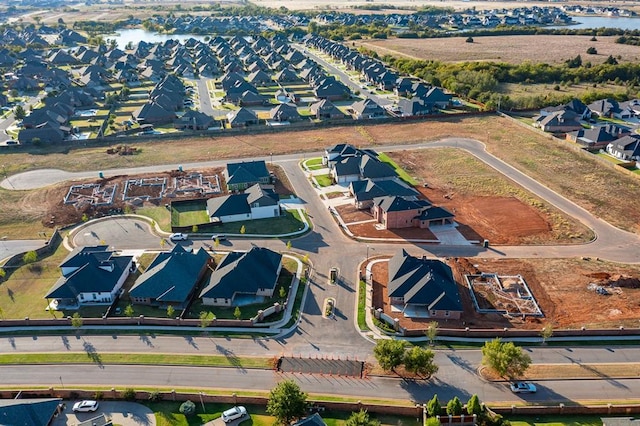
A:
[121,413]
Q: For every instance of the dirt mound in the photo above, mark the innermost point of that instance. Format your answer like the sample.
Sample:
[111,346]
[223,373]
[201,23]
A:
[624,281]
[599,275]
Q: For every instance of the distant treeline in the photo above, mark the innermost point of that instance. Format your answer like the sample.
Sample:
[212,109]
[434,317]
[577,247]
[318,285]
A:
[501,30]
[633,40]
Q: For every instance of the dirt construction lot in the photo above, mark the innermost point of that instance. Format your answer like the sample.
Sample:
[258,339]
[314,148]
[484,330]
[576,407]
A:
[565,290]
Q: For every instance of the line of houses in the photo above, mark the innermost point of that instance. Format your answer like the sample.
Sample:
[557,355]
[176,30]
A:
[375,186]
[579,123]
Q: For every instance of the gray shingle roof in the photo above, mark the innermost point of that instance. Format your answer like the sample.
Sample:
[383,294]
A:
[244,273]
[28,412]
[228,205]
[172,276]
[423,281]
[246,172]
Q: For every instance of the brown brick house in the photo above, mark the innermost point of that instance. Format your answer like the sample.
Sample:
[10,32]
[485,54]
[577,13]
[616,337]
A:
[397,212]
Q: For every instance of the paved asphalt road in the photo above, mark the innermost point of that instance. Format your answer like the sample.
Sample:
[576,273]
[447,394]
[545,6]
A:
[10,248]
[317,336]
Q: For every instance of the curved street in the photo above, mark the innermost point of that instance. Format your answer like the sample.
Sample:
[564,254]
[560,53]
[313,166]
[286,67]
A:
[327,247]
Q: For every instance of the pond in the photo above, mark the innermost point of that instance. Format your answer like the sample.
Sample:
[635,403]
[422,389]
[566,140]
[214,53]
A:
[124,37]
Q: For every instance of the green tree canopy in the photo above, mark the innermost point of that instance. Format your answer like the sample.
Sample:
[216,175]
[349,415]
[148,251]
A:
[389,353]
[454,406]
[287,402]
[433,407]
[419,361]
[505,358]
[474,406]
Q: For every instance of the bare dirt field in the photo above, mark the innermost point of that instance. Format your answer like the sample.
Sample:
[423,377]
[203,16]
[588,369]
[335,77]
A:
[563,288]
[490,206]
[369,230]
[514,49]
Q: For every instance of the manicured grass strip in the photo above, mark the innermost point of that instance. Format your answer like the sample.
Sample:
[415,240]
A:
[324,180]
[135,358]
[401,173]
[555,420]
[362,295]
[582,371]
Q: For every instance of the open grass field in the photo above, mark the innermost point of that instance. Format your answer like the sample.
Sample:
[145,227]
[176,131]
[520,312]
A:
[513,49]
[579,178]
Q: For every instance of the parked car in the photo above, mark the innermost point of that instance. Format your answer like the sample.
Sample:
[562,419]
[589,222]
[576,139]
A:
[333,275]
[522,387]
[219,237]
[85,406]
[234,413]
[178,237]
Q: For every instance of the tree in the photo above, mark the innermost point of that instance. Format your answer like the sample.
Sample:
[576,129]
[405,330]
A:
[170,311]
[282,292]
[3,274]
[287,402]
[163,242]
[505,358]
[432,332]
[592,51]
[237,313]
[361,418]
[546,332]
[243,229]
[128,311]
[216,242]
[19,112]
[433,406]
[420,361]
[474,406]
[289,245]
[76,320]
[454,407]
[469,40]
[206,318]
[432,421]
[188,408]
[389,353]
[194,229]
[30,257]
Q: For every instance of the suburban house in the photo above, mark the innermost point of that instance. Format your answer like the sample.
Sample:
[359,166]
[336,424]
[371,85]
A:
[242,175]
[366,109]
[422,288]
[243,278]
[597,137]
[312,420]
[604,108]
[242,118]
[91,275]
[364,191]
[397,212]
[325,110]
[338,152]
[29,411]
[257,202]
[363,166]
[413,107]
[559,122]
[627,148]
[194,120]
[284,113]
[171,278]
[435,97]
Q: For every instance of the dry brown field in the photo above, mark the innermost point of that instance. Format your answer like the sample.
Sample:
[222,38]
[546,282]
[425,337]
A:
[514,49]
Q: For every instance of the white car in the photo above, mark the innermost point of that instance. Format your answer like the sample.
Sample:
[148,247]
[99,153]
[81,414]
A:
[522,387]
[85,406]
[178,237]
[234,413]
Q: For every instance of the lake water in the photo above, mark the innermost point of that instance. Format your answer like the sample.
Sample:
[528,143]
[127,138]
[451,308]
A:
[123,37]
[604,21]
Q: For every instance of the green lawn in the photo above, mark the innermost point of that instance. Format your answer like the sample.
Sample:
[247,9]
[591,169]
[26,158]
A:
[160,215]
[609,158]
[362,298]
[555,420]
[289,221]
[314,163]
[401,173]
[22,294]
[324,180]
[189,213]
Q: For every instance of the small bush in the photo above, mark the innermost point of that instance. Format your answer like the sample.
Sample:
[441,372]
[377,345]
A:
[129,394]
[155,396]
[98,395]
[188,408]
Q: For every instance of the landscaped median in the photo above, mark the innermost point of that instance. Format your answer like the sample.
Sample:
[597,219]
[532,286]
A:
[575,370]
